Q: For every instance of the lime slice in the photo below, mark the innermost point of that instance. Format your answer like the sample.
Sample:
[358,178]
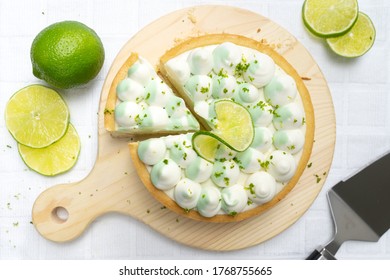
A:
[357,41]
[56,158]
[233,127]
[205,145]
[329,18]
[36,116]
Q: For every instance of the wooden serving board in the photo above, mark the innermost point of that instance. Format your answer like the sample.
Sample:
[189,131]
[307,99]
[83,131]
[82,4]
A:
[113,185]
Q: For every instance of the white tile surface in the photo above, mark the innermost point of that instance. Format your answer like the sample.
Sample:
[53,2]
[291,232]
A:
[360,89]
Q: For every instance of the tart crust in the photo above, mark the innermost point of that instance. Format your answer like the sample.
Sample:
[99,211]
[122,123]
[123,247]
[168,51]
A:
[212,39]
[109,117]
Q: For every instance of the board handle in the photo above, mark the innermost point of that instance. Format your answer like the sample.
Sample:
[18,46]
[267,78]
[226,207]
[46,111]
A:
[56,214]
[62,212]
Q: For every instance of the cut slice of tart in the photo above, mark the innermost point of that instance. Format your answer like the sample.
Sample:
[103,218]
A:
[141,103]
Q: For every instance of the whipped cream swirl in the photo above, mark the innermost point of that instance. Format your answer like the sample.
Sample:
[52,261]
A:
[165,174]
[225,173]
[260,187]
[200,61]
[209,202]
[152,151]
[289,140]
[261,70]
[199,170]
[234,199]
[282,165]
[281,90]
[250,160]
[187,193]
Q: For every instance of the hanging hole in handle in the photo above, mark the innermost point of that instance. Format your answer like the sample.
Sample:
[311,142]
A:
[60,214]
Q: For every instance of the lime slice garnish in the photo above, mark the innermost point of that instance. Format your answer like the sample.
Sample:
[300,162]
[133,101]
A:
[357,41]
[36,116]
[205,145]
[56,158]
[329,18]
[233,127]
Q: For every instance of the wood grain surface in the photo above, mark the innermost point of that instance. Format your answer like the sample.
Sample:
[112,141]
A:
[113,185]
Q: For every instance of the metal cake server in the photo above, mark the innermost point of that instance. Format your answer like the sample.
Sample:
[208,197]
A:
[360,208]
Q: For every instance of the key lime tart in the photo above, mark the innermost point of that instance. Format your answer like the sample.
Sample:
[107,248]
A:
[256,135]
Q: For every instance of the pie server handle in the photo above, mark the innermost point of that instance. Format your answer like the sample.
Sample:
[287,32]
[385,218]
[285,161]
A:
[321,253]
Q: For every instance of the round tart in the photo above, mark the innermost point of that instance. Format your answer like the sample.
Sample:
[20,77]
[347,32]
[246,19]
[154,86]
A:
[236,185]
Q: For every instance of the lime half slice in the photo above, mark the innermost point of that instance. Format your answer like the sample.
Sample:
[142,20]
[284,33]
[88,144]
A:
[329,18]
[357,41]
[205,145]
[56,158]
[36,116]
[233,127]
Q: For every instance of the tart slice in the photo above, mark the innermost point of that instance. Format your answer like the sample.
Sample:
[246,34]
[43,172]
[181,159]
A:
[141,103]
[234,185]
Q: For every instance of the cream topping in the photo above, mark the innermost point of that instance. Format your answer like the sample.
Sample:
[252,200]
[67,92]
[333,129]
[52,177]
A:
[153,116]
[199,87]
[141,72]
[152,151]
[282,165]
[226,56]
[200,61]
[158,108]
[224,153]
[260,187]
[246,93]
[281,90]
[223,86]
[199,170]
[158,93]
[225,173]
[209,202]
[165,174]
[126,113]
[289,116]
[262,140]
[234,199]
[181,68]
[182,153]
[250,160]
[262,113]
[260,71]
[187,193]
[289,140]
[130,90]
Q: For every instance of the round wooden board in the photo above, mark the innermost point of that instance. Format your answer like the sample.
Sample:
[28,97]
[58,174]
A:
[113,185]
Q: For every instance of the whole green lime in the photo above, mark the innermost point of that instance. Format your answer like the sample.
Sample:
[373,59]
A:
[67,54]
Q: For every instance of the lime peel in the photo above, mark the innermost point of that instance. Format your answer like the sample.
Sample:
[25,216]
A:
[67,54]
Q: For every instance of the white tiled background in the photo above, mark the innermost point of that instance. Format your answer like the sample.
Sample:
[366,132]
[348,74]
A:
[361,95]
